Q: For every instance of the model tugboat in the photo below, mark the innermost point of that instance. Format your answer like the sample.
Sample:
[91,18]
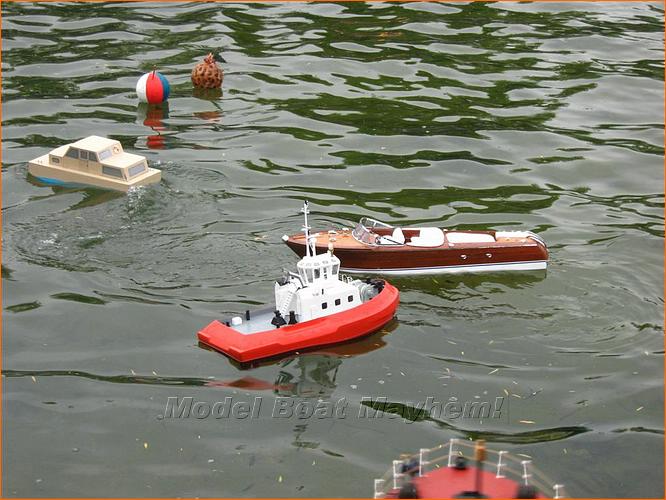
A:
[461,469]
[375,247]
[93,161]
[313,307]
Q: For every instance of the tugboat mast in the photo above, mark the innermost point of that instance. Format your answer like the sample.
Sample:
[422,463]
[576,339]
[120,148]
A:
[306,228]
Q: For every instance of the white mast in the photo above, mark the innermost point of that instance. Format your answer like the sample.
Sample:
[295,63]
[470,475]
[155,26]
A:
[306,228]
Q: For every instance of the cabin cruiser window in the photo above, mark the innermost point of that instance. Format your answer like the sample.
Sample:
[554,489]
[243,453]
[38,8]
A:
[112,171]
[87,155]
[103,155]
[137,169]
[72,153]
[55,159]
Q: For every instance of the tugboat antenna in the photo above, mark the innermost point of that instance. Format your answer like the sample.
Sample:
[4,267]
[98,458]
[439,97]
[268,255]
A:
[306,228]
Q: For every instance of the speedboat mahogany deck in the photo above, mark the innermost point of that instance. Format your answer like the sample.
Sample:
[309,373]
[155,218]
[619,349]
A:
[375,247]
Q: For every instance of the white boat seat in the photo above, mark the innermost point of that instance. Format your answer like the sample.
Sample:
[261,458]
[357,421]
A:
[455,237]
[428,237]
[397,238]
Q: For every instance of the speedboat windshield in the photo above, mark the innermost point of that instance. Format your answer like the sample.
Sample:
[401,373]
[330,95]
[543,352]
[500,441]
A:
[362,234]
[369,223]
[363,230]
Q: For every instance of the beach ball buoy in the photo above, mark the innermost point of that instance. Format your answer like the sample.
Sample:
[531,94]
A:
[153,88]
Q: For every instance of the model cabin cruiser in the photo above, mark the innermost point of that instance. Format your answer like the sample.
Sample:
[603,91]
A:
[94,161]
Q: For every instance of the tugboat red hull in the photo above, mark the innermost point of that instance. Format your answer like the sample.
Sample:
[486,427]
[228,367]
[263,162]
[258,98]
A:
[448,482]
[339,327]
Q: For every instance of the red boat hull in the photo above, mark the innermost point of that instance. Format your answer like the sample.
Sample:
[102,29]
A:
[339,327]
[449,482]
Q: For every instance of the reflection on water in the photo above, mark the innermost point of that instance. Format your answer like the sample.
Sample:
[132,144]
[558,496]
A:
[311,376]
[91,196]
[153,116]
[531,116]
[446,285]
[212,95]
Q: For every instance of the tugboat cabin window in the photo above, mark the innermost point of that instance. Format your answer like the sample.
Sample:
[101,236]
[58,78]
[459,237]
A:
[305,271]
[337,302]
[72,153]
[103,155]
[316,273]
[336,268]
[112,172]
[324,305]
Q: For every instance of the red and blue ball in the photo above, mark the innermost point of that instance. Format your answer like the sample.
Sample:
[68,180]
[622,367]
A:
[153,88]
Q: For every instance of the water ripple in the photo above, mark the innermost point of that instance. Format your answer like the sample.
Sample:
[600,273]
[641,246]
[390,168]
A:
[537,116]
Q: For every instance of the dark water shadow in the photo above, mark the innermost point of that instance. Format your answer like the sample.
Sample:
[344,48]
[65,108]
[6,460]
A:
[412,413]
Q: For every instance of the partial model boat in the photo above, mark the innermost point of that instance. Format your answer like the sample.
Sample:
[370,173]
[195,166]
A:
[93,161]
[375,247]
[313,307]
[461,469]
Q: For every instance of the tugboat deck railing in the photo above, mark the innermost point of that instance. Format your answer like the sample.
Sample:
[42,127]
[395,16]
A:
[502,463]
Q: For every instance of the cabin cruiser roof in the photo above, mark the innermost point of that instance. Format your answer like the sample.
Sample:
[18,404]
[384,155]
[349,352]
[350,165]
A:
[123,160]
[94,143]
[60,150]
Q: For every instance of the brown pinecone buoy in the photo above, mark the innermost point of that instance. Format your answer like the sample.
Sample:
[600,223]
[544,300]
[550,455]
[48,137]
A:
[207,74]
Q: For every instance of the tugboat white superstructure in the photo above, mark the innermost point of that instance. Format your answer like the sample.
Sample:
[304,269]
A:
[313,307]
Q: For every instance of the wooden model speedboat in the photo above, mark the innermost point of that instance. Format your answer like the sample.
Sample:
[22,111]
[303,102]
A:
[375,247]
[313,307]
[93,161]
[462,470]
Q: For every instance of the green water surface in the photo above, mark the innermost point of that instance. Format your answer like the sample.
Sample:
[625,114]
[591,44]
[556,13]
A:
[545,117]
